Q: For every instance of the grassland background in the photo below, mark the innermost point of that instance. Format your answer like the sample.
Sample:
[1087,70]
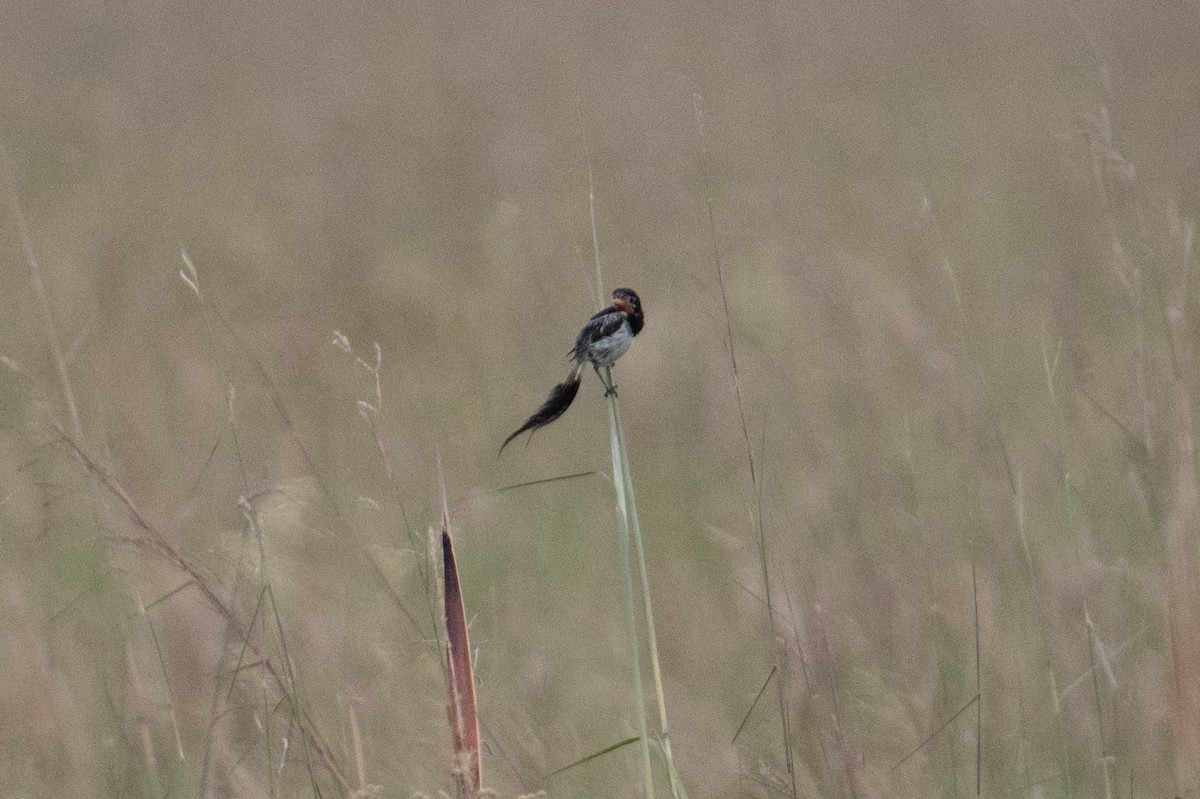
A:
[956,247]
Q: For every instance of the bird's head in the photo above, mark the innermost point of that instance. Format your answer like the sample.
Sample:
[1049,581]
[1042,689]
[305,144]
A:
[627,300]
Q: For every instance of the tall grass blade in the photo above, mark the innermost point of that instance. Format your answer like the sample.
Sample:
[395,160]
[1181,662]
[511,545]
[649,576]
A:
[619,485]
[633,530]
[624,490]
[754,704]
[780,655]
[588,758]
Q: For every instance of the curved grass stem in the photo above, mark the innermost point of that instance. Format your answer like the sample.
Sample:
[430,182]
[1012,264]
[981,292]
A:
[631,542]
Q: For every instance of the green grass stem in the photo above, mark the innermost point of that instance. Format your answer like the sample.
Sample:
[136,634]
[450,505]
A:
[631,541]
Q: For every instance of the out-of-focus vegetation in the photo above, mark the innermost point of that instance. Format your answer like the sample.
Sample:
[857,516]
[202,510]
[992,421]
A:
[957,248]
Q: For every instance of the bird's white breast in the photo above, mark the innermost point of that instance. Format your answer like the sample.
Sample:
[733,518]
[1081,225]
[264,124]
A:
[605,351]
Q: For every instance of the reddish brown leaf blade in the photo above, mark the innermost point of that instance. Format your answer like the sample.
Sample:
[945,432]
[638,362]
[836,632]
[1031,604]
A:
[460,678]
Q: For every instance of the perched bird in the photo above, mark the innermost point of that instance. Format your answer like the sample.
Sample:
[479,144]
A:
[605,337]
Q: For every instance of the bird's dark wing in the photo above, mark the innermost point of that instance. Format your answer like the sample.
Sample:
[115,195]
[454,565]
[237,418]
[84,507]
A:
[561,397]
[603,323]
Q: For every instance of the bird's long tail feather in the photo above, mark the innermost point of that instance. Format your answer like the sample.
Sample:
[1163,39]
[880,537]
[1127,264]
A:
[561,397]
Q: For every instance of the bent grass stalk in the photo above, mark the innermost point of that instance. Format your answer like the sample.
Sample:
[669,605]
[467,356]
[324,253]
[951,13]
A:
[631,533]
[623,517]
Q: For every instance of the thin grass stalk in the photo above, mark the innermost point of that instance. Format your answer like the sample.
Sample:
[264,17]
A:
[267,599]
[779,654]
[154,542]
[190,276]
[57,354]
[101,483]
[635,529]
[624,491]
[172,716]
[978,685]
[1093,646]
[620,485]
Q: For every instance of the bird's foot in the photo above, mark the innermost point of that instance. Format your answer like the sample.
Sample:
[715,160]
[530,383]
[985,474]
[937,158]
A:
[610,391]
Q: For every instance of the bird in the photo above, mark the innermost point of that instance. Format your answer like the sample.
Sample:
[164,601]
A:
[605,337]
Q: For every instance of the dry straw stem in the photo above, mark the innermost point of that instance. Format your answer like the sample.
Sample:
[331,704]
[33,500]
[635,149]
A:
[39,293]
[105,484]
[152,540]
[780,653]
[1161,300]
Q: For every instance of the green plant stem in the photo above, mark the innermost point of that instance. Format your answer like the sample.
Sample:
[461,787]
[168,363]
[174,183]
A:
[620,484]
[631,528]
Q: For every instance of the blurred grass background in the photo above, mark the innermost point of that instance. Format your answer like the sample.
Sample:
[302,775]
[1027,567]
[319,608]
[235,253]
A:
[957,246]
